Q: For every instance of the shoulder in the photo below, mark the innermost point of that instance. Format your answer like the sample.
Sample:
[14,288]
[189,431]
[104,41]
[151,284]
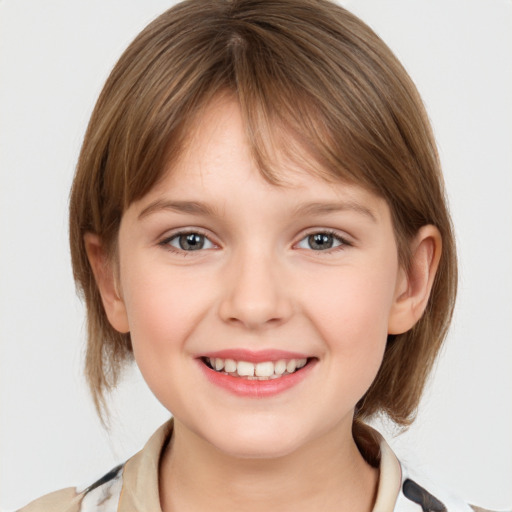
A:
[403,489]
[479,509]
[59,501]
[429,496]
[123,488]
[418,494]
[102,496]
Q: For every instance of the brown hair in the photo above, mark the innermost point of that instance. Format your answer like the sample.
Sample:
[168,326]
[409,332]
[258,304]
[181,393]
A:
[304,70]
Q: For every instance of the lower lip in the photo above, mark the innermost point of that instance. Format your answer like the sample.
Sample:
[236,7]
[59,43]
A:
[256,388]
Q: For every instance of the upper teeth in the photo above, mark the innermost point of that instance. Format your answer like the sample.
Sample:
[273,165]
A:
[261,371]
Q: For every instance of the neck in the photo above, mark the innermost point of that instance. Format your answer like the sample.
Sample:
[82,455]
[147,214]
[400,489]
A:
[326,474]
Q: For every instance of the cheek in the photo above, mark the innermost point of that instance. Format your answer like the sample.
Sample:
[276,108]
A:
[353,318]
[163,308]
[354,304]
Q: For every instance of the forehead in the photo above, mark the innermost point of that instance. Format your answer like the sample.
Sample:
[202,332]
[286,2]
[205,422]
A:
[217,165]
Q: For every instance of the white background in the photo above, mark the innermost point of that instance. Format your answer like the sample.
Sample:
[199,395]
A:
[55,56]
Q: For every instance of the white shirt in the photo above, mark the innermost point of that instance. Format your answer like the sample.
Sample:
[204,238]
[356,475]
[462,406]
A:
[133,487]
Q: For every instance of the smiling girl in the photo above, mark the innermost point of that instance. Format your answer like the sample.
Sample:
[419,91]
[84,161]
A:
[258,219]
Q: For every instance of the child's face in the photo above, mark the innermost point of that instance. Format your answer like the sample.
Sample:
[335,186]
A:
[216,262]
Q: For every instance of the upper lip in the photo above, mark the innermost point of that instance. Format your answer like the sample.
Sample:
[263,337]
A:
[252,356]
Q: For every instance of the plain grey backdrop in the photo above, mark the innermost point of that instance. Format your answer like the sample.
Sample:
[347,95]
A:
[54,58]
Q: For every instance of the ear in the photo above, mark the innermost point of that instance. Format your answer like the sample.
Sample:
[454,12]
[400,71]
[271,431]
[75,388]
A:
[414,286]
[106,280]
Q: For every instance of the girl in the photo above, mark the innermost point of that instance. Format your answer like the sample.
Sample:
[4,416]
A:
[258,219]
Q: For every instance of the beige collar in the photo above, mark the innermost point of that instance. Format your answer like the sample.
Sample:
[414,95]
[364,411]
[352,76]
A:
[390,477]
[140,476]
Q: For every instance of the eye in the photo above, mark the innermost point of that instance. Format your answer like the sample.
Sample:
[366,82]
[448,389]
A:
[190,241]
[322,241]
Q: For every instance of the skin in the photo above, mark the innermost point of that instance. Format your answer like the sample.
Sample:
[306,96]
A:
[257,284]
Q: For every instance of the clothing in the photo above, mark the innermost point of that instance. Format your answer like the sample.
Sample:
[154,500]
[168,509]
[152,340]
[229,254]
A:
[133,487]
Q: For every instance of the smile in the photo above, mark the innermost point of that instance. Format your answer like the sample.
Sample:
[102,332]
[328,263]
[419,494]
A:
[265,370]
[259,374]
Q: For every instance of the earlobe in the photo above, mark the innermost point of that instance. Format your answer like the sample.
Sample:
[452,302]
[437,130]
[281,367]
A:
[414,286]
[104,274]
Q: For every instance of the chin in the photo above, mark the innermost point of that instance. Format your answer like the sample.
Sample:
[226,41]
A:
[259,450]
[255,442]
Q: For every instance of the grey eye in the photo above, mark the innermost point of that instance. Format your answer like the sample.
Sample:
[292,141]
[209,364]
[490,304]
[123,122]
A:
[190,242]
[320,241]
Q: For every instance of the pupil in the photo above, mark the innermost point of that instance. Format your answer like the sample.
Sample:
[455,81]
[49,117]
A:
[191,242]
[320,241]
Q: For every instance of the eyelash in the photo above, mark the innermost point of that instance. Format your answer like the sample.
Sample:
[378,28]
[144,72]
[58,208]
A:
[343,243]
[165,243]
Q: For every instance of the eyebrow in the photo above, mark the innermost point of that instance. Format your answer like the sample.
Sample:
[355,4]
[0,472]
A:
[315,208]
[334,207]
[192,207]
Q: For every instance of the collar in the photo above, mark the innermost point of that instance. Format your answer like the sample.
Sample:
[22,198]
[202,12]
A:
[390,477]
[140,475]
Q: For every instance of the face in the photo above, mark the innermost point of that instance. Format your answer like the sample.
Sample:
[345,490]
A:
[258,313]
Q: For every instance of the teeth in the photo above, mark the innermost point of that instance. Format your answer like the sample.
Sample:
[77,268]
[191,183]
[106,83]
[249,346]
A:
[280,367]
[230,366]
[291,365]
[264,369]
[245,369]
[260,371]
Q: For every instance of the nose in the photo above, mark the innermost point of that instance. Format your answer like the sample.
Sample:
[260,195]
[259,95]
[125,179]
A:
[255,295]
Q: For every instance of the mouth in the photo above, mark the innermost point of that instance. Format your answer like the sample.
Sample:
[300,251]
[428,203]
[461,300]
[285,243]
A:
[256,374]
[261,371]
